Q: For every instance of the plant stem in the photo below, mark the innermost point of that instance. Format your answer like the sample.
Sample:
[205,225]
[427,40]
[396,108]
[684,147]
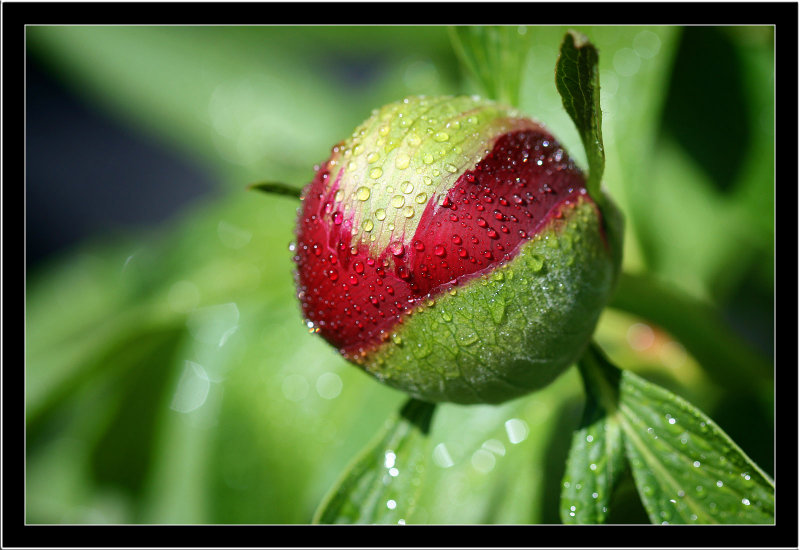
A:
[600,378]
[698,326]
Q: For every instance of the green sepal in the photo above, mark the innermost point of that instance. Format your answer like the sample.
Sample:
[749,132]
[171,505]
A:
[276,188]
[510,331]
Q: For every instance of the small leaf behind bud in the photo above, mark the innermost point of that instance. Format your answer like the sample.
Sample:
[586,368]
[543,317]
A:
[578,82]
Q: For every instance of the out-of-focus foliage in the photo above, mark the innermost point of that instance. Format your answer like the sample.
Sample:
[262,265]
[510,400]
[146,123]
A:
[169,376]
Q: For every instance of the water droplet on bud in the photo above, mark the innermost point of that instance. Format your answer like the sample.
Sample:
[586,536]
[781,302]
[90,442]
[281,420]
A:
[402,161]
[396,248]
[362,193]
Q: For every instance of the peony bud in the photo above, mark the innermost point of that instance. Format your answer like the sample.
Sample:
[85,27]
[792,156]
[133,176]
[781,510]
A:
[449,248]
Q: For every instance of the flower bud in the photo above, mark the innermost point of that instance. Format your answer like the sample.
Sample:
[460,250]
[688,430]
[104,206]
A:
[449,248]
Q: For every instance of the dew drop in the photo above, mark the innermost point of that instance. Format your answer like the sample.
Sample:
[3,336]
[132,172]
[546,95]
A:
[363,193]
[398,201]
[380,214]
[421,198]
[402,161]
[396,248]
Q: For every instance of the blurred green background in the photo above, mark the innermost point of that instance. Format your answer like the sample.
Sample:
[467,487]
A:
[169,377]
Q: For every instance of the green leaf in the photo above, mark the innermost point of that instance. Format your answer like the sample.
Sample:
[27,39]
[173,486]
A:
[595,463]
[381,485]
[495,57]
[687,470]
[500,464]
[276,188]
[578,82]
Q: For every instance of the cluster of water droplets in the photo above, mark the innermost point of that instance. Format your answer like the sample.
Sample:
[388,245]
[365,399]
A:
[712,481]
[415,222]
[398,160]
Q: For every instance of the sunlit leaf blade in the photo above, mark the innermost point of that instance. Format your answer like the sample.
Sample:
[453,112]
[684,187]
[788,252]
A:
[494,56]
[500,464]
[686,468]
[596,461]
[578,83]
[381,485]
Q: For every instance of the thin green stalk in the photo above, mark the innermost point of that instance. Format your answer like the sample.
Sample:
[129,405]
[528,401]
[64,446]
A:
[727,358]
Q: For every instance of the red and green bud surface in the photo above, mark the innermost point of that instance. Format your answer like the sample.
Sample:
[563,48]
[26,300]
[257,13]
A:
[449,247]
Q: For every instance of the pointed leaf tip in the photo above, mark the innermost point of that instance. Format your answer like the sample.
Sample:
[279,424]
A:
[275,188]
